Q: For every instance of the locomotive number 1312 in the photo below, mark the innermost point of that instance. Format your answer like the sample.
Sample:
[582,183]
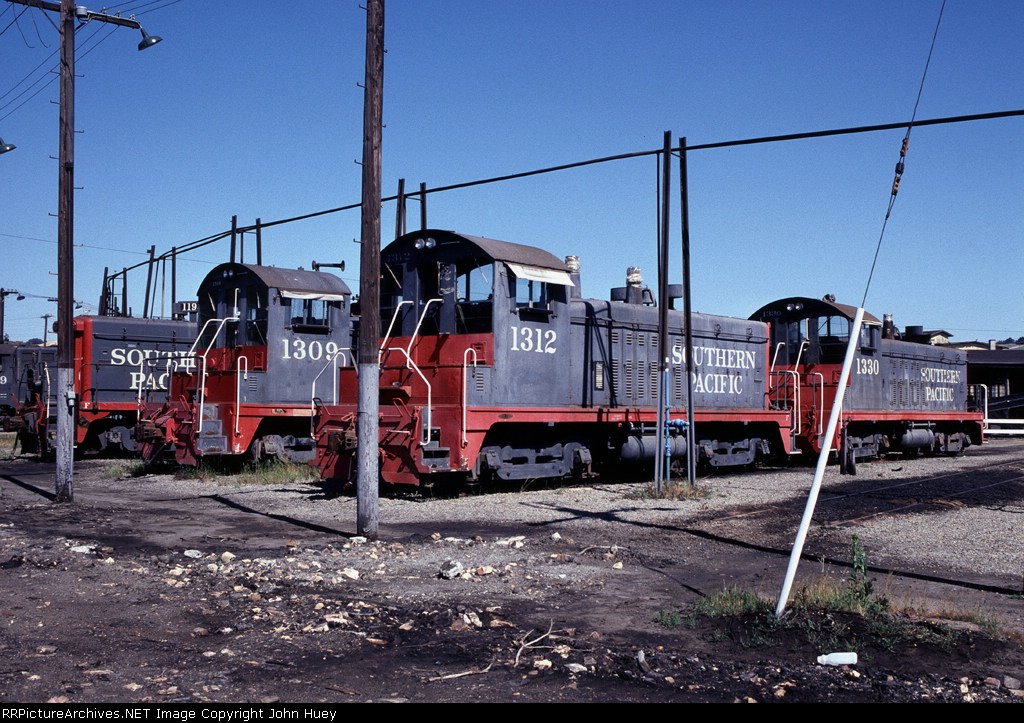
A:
[528,338]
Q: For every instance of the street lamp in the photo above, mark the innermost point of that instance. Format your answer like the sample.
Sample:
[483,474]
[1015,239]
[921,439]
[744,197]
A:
[4,293]
[69,14]
[5,147]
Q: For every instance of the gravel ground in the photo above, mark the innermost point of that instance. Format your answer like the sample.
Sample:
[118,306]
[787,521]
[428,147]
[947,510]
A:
[169,573]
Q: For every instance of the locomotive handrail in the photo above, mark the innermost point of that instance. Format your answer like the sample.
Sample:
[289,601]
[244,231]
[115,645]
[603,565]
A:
[775,357]
[984,423]
[416,331]
[387,334]
[238,387]
[821,389]
[465,387]
[410,364]
[312,391]
[796,387]
[800,353]
[202,372]
[46,373]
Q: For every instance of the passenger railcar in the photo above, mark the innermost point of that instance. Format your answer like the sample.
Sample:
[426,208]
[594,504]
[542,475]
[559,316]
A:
[493,366]
[270,340]
[901,397]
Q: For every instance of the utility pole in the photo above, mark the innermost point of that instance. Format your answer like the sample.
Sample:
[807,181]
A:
[367,422]
[66,399]
[65,451]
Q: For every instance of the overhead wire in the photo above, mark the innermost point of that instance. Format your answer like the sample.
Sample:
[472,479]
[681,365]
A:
[900,164]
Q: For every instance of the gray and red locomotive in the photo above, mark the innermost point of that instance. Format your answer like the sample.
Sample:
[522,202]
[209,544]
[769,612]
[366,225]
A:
[902,396]
[493,366]
[270,340]
[116,360]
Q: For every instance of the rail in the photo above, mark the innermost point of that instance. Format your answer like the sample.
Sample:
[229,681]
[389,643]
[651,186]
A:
[1014,427]
[465,387]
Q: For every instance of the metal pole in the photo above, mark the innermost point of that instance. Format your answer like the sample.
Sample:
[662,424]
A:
[684,207]
[149,282]
[124,292]
[234,231]
[423,206]
[368,471]
[400,209]
[174,277]
[661,470]
[65,450]
[259,243]
[3,296]
[104,293]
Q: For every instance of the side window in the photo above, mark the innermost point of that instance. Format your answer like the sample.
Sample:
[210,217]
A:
[255,317]
[310,316]
[833,336]
[474,306]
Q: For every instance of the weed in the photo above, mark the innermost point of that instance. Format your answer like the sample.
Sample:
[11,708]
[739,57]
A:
[672,490]
[264,472]
[670,619]
[124,468]
[732,601]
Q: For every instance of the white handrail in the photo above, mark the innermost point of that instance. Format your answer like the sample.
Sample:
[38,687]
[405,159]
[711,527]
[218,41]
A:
[387,335]
[411,365]
[775,356]
[985,387]
[416,331]
[202,375]
[796,396]
[465,387]
[800,353]
[46,373]
[331,362]
[238,387]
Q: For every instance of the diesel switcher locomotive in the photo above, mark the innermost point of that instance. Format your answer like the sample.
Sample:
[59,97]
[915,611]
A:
[902,396]
[493,366]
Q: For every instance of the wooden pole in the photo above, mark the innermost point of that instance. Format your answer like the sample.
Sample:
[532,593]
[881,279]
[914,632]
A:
[367,464]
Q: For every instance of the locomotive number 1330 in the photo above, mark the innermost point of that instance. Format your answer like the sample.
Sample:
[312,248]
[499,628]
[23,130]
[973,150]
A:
[528,338]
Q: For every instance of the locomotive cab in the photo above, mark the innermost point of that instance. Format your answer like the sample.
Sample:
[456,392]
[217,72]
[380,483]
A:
[267,339]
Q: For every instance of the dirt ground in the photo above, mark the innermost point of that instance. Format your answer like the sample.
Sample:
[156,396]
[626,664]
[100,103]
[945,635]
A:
[165,590]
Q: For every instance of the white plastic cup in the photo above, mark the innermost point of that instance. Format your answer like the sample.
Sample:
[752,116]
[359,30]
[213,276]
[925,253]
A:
[838,659]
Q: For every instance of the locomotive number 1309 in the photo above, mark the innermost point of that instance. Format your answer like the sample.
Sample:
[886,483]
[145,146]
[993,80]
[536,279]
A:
[315,350]
[528,338]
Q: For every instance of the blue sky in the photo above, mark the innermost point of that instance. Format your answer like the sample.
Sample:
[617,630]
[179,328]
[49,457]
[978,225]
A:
[253,108]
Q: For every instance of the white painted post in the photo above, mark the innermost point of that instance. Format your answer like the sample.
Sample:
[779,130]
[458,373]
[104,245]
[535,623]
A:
[819,472]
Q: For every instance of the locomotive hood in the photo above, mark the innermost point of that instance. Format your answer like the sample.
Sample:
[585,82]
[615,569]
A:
[802,307]
[293,283]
